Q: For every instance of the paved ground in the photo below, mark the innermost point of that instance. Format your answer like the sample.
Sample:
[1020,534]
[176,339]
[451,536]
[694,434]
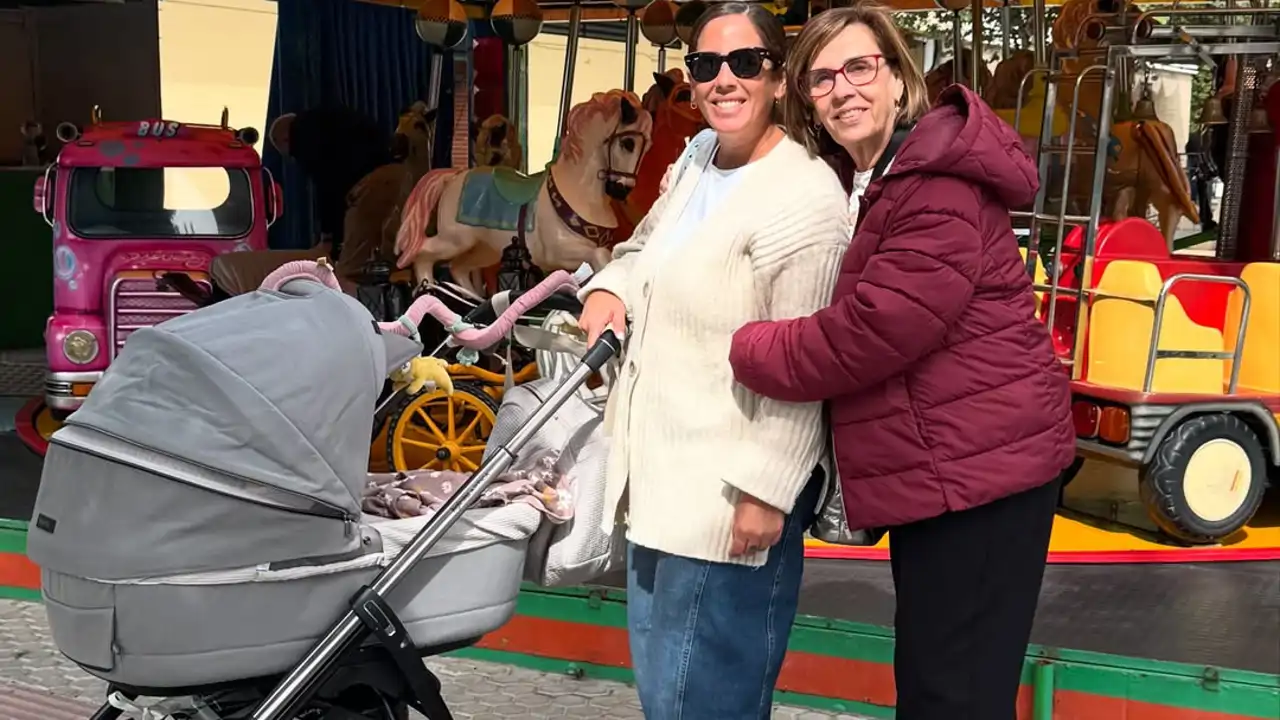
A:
[22,372]
[37,683]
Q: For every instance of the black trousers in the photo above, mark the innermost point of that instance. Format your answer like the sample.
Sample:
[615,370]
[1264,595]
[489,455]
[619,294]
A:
[967,585]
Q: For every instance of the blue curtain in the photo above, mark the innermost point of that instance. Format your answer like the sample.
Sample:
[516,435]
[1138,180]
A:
[366,57]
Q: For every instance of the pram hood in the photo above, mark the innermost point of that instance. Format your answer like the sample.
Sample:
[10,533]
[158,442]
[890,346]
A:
[265,399]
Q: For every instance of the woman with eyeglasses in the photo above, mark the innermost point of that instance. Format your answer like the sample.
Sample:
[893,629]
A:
[717,484]
[950,413]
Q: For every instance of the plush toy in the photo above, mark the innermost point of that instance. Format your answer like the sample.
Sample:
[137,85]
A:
[415,374]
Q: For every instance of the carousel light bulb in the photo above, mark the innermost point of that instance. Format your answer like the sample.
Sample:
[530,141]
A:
[442,23]
[517,22]
[658,22]
[686,17]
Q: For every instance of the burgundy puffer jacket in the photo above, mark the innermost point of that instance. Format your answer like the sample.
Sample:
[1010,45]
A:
[944,390]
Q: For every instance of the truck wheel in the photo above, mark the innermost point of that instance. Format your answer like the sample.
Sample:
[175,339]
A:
[1206,480]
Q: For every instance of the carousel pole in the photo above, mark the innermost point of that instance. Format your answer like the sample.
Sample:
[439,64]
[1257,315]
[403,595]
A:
[662,59]
[957,48]
[435,78]
[570,62]
[629,59]
[518,97]
[1038,49]
[1275,215]
[1006,24]
[976,62]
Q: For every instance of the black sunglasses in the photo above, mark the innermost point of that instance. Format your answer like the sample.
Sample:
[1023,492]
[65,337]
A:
[745,63]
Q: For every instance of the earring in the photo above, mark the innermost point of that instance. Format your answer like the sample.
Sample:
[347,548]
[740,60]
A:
[693,104]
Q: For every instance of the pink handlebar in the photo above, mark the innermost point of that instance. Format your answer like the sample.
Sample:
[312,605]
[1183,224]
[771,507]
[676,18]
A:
[302,270]
[474,337]
[466,335]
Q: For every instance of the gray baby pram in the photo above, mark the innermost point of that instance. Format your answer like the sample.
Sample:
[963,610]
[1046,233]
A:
[199,532]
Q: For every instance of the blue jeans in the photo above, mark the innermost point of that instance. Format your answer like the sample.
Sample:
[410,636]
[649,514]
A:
[707,638]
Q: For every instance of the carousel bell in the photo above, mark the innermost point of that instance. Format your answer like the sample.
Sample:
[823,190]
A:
[1145,109]
[1212,113]
[1258,121]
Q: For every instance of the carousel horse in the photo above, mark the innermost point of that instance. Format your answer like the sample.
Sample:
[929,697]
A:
[563,215]
[941,77]
[1001,93]
[497,144]
[374,204]
[675,120]
[1143,167]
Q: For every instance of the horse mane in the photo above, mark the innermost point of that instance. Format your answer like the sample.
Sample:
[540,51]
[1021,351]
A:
[602,105]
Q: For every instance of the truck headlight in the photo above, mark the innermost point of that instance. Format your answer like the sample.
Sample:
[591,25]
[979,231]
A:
[80,347]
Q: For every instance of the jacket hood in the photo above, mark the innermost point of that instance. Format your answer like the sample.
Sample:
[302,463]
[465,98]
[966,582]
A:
[964,138]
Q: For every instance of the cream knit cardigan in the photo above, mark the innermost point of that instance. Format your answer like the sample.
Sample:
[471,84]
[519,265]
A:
[686,440]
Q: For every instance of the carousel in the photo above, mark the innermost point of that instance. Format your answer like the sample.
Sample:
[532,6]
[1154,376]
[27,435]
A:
[1167,543]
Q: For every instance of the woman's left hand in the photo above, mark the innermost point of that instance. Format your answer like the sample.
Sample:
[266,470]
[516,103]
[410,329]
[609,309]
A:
[756,526]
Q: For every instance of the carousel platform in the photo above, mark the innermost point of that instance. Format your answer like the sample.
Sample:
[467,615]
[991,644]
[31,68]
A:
[1102,521]
[1083,538]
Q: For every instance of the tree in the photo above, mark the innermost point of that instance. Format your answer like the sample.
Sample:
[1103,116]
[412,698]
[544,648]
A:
[936,24]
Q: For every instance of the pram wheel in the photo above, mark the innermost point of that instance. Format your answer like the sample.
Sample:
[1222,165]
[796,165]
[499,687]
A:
[370,703]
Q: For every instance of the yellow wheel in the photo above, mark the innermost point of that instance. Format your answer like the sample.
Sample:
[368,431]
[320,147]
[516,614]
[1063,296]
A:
[434,431]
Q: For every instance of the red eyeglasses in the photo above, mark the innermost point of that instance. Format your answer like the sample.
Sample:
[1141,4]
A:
[859,71]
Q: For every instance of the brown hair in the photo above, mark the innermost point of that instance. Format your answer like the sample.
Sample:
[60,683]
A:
[772,35]
[798,115]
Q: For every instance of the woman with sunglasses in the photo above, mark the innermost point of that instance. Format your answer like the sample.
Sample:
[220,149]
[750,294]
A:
[717,485]
[950,413]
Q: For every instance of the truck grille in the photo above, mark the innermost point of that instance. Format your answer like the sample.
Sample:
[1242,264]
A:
[137,303]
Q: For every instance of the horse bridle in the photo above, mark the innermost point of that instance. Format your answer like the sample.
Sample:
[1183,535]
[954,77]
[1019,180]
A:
[609,173]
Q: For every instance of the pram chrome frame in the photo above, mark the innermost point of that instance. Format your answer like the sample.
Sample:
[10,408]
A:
[370,615]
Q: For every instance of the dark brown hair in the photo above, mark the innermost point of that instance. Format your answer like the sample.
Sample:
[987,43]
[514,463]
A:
[772,36]
[798,115]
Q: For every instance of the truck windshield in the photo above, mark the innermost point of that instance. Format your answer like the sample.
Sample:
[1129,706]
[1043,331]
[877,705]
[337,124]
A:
[125,202]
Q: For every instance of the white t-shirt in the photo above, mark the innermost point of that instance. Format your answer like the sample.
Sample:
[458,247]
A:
[860,182]
[713,185]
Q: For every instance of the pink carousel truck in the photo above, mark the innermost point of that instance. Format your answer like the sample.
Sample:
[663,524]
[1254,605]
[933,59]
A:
[130,202]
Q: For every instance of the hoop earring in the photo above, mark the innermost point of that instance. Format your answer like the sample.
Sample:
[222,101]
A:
[693,104]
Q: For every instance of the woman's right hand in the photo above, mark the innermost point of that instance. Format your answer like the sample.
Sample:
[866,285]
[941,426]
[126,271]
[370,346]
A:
[603,310]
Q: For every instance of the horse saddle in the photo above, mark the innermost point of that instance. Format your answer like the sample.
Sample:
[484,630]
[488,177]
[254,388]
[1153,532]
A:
[496,198]
[516,187]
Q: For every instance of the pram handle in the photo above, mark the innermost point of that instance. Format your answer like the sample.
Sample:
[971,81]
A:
[464,333]
[350,632]
[605,348]
[487,311]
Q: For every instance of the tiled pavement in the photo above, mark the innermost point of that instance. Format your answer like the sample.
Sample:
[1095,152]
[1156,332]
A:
[22,372]
[37,683]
